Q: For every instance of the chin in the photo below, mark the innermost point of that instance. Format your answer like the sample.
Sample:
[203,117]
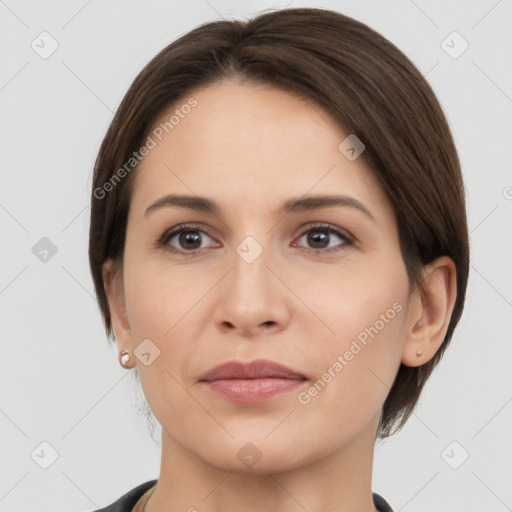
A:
[269,463]
[258,457]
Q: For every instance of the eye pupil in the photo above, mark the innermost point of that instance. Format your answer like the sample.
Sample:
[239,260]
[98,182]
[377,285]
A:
[318,236]
[190,236]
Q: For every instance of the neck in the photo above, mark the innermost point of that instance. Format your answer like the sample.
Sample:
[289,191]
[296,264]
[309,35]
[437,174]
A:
[339,482]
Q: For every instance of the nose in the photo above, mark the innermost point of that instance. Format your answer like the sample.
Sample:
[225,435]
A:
[252,298]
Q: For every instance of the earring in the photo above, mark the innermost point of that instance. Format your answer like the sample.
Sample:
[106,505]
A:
[125,357]
[418,353]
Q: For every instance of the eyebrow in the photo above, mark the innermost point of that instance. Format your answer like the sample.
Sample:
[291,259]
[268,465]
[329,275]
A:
[293,205]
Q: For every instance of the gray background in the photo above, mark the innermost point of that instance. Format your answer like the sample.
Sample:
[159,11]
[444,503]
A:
[60,381]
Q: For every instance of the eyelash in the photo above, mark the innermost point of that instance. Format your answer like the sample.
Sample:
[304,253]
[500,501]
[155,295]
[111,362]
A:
[168,235]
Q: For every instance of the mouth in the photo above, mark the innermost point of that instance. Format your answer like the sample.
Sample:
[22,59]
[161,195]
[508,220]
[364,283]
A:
[251,382]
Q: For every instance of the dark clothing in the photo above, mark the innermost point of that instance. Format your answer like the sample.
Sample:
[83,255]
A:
[126,502]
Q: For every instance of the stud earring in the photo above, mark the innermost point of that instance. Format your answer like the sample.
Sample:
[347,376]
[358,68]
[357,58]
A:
[125,357]
[418,353]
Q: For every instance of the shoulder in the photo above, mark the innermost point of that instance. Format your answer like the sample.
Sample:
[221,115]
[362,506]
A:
[381,504]
[127,501]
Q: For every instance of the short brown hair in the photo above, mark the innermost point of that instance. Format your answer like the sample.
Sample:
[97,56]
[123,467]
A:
[367,85]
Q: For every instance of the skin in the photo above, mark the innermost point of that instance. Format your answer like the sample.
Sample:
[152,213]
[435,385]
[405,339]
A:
[249,148]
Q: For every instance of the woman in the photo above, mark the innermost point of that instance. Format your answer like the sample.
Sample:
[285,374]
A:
[309,166]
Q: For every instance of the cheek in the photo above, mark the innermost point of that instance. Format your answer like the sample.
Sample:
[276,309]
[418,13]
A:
[363,317]
[351,300]
[157,295]
[355,368]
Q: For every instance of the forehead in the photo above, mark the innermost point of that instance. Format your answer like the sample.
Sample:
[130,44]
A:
[248,143]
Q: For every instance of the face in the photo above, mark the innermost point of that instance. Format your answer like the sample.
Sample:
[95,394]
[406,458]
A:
[320,288]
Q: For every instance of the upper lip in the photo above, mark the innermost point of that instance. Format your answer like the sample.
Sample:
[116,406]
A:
[258,369]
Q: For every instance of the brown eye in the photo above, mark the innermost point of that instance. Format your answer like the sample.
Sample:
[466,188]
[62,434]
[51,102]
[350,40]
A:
[185,239]
[189,240]
[321,238]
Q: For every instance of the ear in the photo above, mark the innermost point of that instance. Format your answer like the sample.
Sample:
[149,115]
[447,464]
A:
[114,290]
[430,312]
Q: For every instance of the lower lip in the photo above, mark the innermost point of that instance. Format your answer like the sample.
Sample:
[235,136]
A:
[252,390]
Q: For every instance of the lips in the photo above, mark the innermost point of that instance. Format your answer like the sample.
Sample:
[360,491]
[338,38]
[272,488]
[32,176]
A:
[259,369]
[252,382]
